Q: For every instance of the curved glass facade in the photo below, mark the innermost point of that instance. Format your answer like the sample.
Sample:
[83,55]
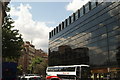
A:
[93,38]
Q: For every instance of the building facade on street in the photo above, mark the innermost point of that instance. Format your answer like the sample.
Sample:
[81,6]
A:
[26,57]
[28,53]
[90,36]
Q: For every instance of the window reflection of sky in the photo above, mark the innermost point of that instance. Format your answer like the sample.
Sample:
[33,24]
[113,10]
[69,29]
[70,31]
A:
[96,33]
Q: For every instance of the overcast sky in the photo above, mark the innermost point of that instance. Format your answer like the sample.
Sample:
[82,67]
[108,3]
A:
[35,20]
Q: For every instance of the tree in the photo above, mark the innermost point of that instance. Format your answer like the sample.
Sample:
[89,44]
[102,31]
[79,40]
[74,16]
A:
[20,69]
[41,68]
[11,40]
[34,62]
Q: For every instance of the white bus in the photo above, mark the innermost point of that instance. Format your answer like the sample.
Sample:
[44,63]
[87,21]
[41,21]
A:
[75,72]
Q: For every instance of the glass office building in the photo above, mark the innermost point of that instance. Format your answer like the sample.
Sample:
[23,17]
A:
[90,36]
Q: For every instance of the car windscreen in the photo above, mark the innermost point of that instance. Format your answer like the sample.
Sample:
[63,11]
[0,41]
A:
[35,78]
[23,78]
[54,79]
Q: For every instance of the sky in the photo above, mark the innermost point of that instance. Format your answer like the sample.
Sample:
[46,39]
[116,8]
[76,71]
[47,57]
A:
[35,20]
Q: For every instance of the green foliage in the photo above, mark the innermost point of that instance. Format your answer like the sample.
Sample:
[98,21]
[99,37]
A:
[20,69]
[41,68]
[38,66]
[7,9]
[11,40]
[34,62]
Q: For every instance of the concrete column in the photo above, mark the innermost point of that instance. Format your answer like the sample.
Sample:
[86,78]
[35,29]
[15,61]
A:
[0,40]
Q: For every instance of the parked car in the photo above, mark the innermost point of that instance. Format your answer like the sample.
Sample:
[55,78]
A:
[30,77]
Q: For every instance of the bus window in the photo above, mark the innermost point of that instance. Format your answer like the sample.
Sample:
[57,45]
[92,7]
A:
[68,69]
[78,71]
[53,69]
[85,73]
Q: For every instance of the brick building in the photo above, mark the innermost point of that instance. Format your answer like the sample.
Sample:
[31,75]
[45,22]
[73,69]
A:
[28,53]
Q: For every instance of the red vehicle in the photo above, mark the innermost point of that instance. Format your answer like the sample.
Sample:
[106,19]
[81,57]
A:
[52,78]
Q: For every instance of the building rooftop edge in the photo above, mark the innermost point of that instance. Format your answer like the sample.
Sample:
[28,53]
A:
[72,18]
